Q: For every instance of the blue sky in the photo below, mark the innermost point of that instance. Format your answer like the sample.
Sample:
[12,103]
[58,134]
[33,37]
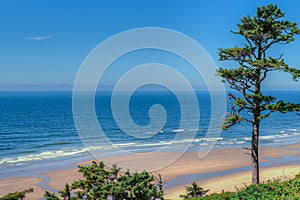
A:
[43,43]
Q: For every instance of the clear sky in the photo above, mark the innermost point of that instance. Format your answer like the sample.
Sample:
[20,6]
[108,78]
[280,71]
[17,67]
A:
[43,43]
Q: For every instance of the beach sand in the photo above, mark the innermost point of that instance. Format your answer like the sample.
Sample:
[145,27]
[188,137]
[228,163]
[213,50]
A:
[231,181]
[188,166]
[21,183]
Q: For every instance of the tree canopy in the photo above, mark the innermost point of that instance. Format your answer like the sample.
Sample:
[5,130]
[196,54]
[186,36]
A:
[260,32]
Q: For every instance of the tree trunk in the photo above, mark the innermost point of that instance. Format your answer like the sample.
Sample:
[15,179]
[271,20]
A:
[254,151]
[255,125]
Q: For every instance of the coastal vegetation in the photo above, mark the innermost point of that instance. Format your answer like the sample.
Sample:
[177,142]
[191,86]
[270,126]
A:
[193,191]
[255,63]
[101,183]
[16,195]
[278,189]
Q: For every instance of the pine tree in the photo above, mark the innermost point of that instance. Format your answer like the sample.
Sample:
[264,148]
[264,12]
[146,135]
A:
[261,32]
[194,191]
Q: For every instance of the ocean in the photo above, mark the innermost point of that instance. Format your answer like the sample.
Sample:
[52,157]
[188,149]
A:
[38,127]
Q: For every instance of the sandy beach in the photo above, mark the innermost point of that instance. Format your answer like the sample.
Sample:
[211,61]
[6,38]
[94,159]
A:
[221,169]
[231,181]
[149,100]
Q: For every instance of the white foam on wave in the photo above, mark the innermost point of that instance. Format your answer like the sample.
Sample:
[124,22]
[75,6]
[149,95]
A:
[212,139]
[201,141]
[124,144]
[208,139]
[41,156]
[177,130]
[295,133]
[227,143]
[149,132]
[203,144]
[266,137]
[284,140]
[48,155]
[283,135]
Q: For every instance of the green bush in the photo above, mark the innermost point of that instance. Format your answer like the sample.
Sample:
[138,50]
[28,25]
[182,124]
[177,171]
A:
[16,195]
[99,183]
[194,191]
[270,190]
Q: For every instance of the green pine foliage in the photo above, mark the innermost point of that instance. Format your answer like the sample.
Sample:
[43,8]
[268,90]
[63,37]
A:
[194,191]
[16,195]
[101,183]
[270,190]
[255,61]
[139,186]
[51,196]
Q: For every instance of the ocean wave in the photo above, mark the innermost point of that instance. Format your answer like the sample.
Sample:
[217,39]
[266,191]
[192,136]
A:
[149,132]
[124,144]
[41,156]
[193,129]
[282,136]
[163,143]
[196,140]
[227,143]
[177,130]
[48,155]
[212,139]
[52,144]
[295,133]
[5,148]
[267,137]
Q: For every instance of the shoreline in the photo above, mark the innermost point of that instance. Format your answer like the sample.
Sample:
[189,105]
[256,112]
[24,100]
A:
[218,166]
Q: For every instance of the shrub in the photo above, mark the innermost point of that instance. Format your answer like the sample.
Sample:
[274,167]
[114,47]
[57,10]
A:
[16,195]
[194,191]
[99,183]
[270,190]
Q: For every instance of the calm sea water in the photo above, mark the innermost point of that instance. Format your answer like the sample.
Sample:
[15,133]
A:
[39,126]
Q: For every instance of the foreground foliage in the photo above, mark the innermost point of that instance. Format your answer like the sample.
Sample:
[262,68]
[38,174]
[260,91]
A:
[194,191]
[16,195]
[102,184]
[271,190]
[99,183]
